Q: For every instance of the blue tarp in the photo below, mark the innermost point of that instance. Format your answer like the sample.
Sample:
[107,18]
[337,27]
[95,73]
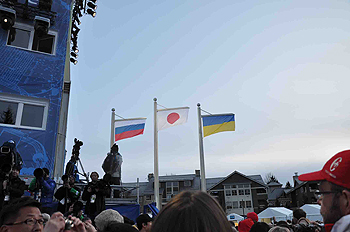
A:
[129,211]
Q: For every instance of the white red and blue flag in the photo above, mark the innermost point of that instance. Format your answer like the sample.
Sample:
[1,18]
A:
[128,128]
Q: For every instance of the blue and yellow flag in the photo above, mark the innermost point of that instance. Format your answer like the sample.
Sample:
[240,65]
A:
[217,123]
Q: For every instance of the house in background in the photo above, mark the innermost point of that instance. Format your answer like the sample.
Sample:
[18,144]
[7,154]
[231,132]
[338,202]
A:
[240,194]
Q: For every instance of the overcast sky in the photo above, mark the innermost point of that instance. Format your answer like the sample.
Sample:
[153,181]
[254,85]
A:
[281,66]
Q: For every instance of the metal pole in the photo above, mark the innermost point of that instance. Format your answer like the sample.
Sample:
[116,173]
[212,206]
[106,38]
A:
[201,150]
[156,174]
[112,127]
[138,190]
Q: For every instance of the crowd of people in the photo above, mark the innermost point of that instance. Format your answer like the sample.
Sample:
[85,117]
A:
[186,212]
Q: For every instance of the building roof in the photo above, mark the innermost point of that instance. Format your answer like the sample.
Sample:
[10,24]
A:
[254,179]
[213,181]
[274,183]
[276,193]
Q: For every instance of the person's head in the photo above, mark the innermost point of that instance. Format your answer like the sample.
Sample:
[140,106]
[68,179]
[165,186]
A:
[284,224]
[144,222]
[94,176]
[191,211]
[15,172]
[119,227]
[77,207]
[260,227]
[46,173]
[245,225]
[114,149]
[253,216]
[22,215]
[334,187]
[107,216]
[71,180]
[279,229]
[297,214]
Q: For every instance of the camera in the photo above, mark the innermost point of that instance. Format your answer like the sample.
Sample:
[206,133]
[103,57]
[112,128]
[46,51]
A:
[68,224]
[9,158]
[76,147]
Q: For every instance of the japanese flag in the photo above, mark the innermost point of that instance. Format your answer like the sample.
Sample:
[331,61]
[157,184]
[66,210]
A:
[171,117]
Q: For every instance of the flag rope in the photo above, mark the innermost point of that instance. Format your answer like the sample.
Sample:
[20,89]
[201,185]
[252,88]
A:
[119,116]
[206,111]
[162,106]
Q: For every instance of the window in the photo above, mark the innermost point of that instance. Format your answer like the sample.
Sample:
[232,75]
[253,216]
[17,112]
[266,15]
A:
[24,36]
[246,186]
[228,205]
[187,183]
[246,191]
[248,204]
[241,204]
[228,192]
[234,186]
[235,204]
[23,112]
[241,192]
[234,192]
[172,188]
[261,191]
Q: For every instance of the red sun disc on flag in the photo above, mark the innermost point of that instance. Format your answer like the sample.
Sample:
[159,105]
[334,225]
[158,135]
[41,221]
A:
[173,117]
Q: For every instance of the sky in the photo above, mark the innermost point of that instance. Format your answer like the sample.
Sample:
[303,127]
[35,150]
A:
[282,67]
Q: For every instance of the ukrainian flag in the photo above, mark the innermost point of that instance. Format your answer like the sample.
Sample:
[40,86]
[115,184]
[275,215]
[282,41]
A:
[217,123]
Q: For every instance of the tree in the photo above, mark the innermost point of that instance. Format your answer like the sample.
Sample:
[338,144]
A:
[269,177]
[7,116]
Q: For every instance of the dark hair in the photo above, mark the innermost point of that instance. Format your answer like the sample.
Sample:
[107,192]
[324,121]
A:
[128,220]
[260,227]
[191,212]
[299,213]
[95,173]
[77,206]
[11,211]
[119,227]
[46,171]
[142,219]
[284,224]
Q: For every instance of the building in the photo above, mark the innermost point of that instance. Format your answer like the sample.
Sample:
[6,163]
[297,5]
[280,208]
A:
[229,191]
[240,194]
[34,80]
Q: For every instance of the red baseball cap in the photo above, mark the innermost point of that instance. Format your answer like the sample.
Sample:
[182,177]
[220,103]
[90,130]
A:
[336,170]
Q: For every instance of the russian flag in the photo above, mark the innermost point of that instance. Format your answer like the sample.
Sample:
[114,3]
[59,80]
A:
[128,128]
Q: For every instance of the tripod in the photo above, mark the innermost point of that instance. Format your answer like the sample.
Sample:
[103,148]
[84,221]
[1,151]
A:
[72,165]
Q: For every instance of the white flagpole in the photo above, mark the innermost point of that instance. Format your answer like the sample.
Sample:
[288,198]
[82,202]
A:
[156,174]
[201,150]
[112,127]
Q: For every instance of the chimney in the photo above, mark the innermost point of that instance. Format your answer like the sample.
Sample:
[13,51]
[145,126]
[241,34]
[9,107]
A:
[197,172]
[295,173]
[150,177]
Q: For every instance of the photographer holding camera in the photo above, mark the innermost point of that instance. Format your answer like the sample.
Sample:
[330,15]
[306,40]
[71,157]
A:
[67,194]
[43,188]
[11,187]
[94,194]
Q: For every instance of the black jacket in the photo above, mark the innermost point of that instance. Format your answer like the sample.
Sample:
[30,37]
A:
[99,205]
[15,189]
[66,196]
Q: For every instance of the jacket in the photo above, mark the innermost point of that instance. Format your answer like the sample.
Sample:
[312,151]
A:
[342,225]
[47,187]
[15,188]
[66,196]
[97,205]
